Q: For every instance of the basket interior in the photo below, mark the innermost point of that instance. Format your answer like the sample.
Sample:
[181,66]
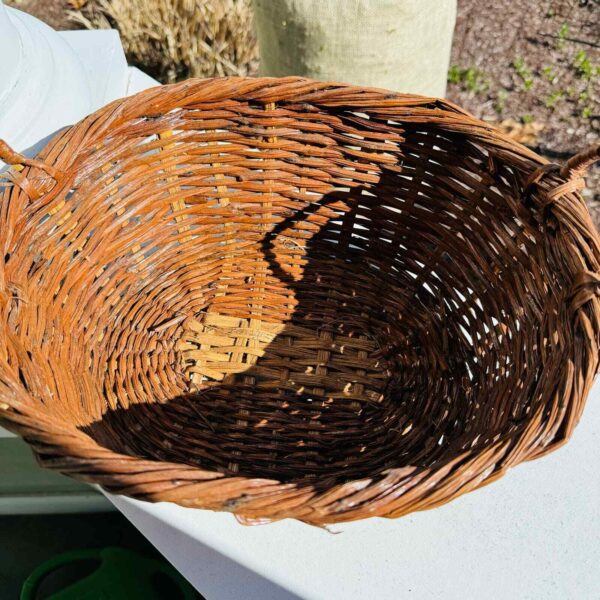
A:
[319,310]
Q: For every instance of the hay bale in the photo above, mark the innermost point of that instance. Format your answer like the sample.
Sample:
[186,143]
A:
[176,39]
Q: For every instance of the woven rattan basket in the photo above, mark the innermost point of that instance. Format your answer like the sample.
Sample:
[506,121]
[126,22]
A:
[284,298]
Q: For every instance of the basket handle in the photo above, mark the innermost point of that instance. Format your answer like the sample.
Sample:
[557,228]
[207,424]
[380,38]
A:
[577,165]
[573,172]
[15,159]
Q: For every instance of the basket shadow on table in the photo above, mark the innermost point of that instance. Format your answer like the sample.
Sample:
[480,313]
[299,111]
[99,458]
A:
[347,385]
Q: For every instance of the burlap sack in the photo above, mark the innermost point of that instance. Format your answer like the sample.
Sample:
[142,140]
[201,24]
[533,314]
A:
[401,45]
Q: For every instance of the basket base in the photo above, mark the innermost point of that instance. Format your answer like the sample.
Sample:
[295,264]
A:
[301,399]
[267,400]
[299,360]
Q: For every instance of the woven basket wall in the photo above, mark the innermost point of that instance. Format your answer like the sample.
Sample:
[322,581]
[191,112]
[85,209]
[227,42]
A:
[284,298]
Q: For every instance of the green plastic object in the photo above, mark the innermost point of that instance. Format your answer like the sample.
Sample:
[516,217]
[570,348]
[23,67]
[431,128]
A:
[120,575]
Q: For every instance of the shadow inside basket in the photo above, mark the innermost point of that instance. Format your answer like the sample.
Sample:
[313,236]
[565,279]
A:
[340,354]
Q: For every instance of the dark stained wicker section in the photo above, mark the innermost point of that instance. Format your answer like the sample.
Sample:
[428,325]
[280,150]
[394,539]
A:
[286,298]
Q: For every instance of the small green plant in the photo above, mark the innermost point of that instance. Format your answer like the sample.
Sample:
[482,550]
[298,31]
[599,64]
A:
[473,79]
[526,119]
[523,71]
[587,111]
[500,102]
[454,74]
[584,66]
[588,74]
[553,98]
[550,75]
[563,34]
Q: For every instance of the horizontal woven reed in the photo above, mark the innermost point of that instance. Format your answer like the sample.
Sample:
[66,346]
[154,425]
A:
[285,298]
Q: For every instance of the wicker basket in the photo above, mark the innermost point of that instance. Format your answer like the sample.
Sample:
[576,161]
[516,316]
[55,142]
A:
[284,298]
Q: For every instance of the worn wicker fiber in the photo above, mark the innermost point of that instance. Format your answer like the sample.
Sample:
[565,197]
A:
[284,298]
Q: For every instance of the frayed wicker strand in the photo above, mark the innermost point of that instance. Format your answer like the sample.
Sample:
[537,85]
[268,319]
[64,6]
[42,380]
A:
[289,298]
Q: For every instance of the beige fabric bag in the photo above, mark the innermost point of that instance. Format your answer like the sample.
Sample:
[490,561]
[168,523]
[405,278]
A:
[401,45]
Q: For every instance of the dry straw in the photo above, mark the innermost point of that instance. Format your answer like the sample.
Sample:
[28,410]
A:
[285,298]
[176,39]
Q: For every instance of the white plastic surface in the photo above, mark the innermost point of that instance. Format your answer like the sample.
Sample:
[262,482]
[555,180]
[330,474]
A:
[44,86]
[533,535]
[9,46]
[49,79]
[103,61]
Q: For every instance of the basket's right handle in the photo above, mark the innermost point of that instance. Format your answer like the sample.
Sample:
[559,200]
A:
[10,157]
[577,165]
[572,172]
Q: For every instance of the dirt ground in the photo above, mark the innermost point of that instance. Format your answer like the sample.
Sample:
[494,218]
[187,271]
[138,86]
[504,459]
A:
[529,63]
[53,12]
[535,65]
[532,66]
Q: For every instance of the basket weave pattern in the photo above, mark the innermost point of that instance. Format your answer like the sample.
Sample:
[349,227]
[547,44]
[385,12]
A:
[285,298]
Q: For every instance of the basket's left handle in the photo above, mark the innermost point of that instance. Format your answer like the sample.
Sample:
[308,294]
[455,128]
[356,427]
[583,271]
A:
[10,157]
[33,188]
